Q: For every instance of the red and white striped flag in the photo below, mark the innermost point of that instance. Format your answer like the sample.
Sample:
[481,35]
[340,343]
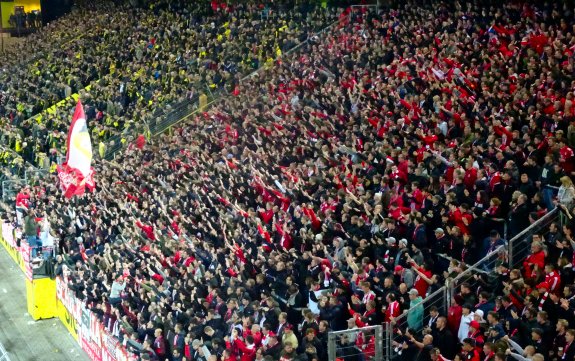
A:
[77,173]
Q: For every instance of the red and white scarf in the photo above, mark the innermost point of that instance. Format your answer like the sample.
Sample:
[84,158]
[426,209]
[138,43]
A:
[542,301]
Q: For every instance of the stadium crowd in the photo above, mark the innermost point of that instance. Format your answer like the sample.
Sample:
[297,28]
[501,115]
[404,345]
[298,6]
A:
[320,195]
[155,58]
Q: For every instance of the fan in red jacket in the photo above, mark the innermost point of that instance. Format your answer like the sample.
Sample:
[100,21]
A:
[23,199]
[159,343]
[476,334]
[552,278]
[536,260]
[147,230]
[566,157]
[246,350]
[393,309]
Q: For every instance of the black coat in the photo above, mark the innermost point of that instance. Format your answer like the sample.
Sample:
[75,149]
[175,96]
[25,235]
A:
[445,342]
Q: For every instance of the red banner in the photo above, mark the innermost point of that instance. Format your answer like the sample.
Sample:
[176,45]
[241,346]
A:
[8,234]
[26,258]
[95,340]
[93,352]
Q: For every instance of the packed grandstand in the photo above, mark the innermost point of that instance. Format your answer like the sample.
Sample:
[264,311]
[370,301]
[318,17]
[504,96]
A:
[353,164]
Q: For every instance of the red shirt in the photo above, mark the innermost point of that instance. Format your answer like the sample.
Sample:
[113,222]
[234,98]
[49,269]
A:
[472,356]
[553,280]
[470,178]
[457,217]
[393,310]
[454,318]
[160,346]
[248,352]
[22,200]
[420,284]
[566,159]
[535,259]
[148,230]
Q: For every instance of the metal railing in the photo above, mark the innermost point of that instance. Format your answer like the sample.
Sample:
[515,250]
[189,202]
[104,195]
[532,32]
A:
[365,343]
[34,176]
[415,318]
[470,276]
[3,353]
[11,187]
[519,246]
[31,177]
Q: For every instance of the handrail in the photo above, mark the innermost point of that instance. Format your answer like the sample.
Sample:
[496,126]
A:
[476,266]
[400,318]
[521,235]
[534,224]
[4,354]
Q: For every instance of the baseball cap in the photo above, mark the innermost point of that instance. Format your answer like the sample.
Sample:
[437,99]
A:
[398,268]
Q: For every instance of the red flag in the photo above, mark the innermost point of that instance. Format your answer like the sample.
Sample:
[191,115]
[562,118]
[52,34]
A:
[76,173]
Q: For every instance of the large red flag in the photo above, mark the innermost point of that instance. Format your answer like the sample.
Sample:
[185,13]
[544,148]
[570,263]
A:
[77,173]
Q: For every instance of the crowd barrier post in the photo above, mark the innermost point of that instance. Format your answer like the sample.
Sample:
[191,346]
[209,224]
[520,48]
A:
[388,332]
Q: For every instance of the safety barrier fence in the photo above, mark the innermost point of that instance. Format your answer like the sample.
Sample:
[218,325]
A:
[3,354]
[413,319]
[519,246]
[480,275]
[365,343]
[31,177]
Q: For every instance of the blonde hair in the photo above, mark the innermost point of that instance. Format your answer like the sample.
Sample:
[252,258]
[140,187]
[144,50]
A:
[566,181]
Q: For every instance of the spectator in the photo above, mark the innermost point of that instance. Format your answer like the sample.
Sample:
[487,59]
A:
[31,231]
[566,192]
[415,315]
[443,338]
[393,125]
[118,287]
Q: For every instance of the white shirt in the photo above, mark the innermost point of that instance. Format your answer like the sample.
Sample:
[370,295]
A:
[464,326]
